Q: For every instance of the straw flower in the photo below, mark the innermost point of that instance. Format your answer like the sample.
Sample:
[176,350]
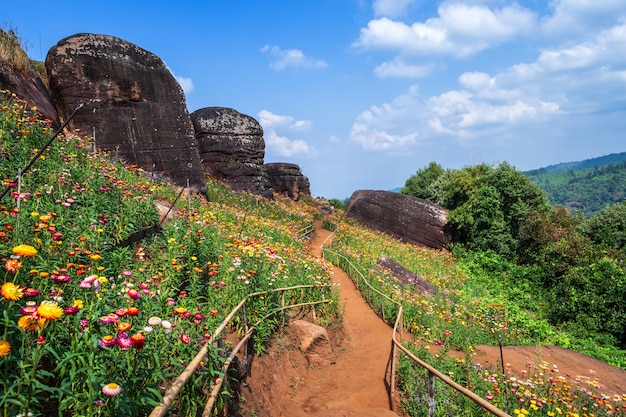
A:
[25,251]
[31,322]
[111,389]
[138,340]
[11,292]
[123,326]
[108,341]
[49,310]
[12,265]
[5,348]
[154,321]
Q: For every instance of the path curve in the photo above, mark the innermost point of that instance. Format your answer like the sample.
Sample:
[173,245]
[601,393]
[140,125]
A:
[355,385]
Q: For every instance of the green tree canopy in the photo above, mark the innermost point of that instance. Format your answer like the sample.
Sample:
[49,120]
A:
[421,183]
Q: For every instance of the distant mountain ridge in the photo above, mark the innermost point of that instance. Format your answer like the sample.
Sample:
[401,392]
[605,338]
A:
[587,163]
[586,186]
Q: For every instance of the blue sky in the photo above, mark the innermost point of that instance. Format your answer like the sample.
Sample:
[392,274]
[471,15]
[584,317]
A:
[361,94]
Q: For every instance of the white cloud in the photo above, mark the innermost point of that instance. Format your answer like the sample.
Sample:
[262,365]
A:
[185,83]
[564,82]
[294,58]
[391,8]
[282,145]
[398,67]
[575,19]
[460,30]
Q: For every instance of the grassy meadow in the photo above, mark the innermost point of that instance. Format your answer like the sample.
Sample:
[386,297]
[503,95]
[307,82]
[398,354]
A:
[93,325]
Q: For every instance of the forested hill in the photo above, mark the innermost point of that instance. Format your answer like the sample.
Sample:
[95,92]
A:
[586,186]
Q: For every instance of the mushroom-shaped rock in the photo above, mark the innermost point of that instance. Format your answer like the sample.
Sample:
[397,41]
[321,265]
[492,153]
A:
[287,179]
[232,149]
[133,104]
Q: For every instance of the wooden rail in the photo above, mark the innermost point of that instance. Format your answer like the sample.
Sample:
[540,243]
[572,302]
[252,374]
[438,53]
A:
[173,391]
[363,285]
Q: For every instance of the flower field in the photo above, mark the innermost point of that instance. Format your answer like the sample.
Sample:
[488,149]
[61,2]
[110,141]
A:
[94,326]
[447,326]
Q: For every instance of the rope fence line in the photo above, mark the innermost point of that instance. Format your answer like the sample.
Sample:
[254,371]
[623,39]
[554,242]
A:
[353,271]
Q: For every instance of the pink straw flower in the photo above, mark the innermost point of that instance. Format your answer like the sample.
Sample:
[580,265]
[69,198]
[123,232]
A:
[111,389]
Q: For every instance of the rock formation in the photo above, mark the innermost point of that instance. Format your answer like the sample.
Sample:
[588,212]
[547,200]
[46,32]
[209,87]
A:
[314,343]
[232,149]
[404,275]
[133,104]
[287,179]
[24,81]
[410,219]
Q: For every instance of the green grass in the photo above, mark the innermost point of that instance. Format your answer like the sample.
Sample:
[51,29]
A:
[75,208]
[476,303]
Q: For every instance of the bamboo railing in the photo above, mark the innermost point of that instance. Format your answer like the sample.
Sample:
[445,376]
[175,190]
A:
[368,290]
[171,394]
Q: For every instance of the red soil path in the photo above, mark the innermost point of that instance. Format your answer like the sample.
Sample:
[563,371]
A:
[356,385]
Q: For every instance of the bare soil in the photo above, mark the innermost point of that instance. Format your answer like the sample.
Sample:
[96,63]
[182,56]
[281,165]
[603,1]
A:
[282,384]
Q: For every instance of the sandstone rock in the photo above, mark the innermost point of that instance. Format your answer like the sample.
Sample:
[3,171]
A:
[25,83]
[132,103]
[232,149]
[314,343]
[287,179]
[404,275]
[410,219]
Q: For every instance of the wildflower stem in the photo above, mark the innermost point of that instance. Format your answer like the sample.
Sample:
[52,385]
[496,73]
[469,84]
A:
[33,373]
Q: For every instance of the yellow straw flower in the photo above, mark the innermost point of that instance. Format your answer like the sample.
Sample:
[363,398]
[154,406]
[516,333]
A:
[11,292]
[31,323]
[25,251]
[5,348]
[49,311]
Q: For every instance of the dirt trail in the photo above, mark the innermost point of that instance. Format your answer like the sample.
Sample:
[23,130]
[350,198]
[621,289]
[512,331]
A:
[356,385]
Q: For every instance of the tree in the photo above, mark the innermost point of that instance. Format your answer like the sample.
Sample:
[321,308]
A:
[488,207]
[420,184]
[608,228]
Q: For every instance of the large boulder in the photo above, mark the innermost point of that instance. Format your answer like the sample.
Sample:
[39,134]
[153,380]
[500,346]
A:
[18,76]
[133,104]
[232,149]
[410,219]
[287,179]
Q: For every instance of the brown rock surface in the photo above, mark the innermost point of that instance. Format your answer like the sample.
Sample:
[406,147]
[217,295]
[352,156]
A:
[287,179]
[314,343]
[24,82]
[406,276]
[410,219]
[133,104]
[232,148]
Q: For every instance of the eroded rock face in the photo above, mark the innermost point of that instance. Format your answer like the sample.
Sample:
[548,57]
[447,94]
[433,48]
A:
[133,104]
[31,89]
[19,77]
[232,149]
[411,219]
[405,276]
[287,179]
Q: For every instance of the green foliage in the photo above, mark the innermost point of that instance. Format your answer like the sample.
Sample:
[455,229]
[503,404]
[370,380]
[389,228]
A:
[582,188]
[73,210]
[422,183]
[483,298]
[490,206]
[589,299]
[608,228]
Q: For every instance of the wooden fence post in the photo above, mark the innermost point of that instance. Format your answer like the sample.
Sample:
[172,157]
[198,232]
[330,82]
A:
[431,394]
